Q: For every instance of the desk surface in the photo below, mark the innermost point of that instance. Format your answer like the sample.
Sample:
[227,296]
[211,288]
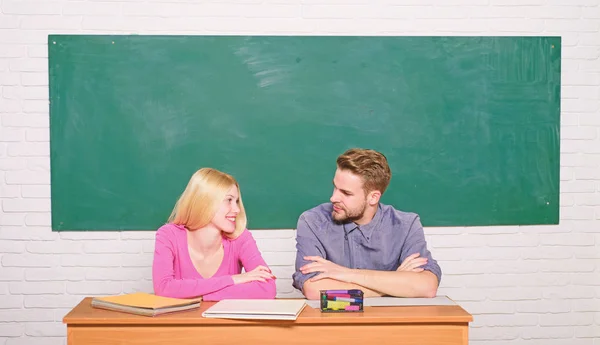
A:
[85,314]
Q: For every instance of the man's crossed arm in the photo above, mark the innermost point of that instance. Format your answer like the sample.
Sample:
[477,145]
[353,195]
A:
[409,280]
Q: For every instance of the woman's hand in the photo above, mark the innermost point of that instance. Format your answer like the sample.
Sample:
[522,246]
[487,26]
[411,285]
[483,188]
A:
[260,274]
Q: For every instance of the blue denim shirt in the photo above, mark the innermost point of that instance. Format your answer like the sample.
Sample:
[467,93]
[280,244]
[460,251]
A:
[381,245]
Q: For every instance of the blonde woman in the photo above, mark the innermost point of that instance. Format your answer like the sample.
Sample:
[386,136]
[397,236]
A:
[205,244]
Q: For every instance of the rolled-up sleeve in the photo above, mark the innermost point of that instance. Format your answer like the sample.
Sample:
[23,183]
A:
[415,243]
[307,244]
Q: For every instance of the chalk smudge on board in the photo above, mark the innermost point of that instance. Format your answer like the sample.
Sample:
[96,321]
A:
[265,69]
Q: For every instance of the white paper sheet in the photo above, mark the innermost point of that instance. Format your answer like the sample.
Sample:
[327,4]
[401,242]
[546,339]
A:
[394,301]
[258,309]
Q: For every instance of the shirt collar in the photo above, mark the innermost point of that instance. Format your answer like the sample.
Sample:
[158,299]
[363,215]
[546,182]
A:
[366,229]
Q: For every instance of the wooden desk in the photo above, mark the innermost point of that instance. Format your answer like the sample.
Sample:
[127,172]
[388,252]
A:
[376,325]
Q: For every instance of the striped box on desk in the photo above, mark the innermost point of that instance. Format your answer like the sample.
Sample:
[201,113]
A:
[341,301]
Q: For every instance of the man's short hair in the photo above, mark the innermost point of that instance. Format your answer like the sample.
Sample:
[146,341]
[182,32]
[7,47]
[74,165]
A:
[370,165]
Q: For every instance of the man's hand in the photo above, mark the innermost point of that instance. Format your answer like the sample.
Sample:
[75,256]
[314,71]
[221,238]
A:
[327,268]
[412,263]
[409,280]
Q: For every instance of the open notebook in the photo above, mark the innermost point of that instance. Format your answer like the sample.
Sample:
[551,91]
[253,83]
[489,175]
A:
[257,309]
[141,303]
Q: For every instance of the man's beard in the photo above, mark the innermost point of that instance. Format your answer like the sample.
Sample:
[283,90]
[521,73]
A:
[351,215]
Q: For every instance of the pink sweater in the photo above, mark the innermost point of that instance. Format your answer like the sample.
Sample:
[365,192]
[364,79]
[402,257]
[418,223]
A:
[174,274]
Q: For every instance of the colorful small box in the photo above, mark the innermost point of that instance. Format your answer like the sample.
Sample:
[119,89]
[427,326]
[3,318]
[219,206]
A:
[333,301]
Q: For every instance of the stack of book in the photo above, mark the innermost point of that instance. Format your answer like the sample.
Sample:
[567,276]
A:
[141,303]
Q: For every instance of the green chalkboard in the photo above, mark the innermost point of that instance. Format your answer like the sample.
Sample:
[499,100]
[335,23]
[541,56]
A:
[470,125]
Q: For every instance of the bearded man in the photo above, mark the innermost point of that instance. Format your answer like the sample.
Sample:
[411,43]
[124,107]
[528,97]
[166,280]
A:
[356,242]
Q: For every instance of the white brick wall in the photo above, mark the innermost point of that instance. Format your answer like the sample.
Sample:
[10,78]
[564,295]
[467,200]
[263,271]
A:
[541,283]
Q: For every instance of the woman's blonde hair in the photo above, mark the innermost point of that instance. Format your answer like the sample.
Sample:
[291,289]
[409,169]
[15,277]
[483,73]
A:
[202,198]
